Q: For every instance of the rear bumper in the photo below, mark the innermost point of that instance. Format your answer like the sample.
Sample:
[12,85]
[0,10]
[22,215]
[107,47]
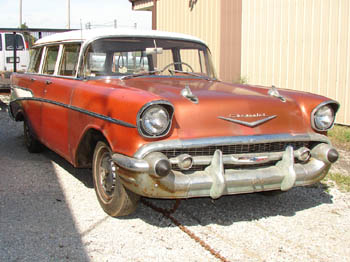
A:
[215,180]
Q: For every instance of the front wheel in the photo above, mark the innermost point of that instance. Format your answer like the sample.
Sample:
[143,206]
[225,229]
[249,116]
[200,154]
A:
[114,198]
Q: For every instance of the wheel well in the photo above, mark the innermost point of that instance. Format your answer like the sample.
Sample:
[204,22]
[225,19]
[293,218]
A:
[19,116]
[87,146]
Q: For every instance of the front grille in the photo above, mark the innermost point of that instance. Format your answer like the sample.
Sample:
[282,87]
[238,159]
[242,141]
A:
[227,166]
[237,149]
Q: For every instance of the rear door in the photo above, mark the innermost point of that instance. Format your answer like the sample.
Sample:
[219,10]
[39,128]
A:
[22,56]
[59,69]
[29,82]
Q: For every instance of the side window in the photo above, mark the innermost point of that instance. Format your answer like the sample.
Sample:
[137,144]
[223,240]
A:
[0,43]
[10,43]
[70,58]
[35,58]
[50,60]
[95,63]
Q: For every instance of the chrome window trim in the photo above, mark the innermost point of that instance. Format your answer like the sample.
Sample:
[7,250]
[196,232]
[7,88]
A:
[60,43]
[227,140]
[335,107]
[64,45]
[54,76]
[43,55]
[58,59]
[87,43]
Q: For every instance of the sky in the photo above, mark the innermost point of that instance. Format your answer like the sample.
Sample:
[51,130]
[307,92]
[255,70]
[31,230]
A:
[53,14]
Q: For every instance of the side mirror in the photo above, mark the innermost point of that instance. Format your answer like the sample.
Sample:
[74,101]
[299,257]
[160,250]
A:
[154,50]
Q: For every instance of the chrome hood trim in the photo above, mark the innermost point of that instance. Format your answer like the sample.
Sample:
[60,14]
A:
[274,92]
[187,93]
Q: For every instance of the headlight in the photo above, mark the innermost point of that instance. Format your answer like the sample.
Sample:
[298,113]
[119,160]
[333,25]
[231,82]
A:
[154,120]
[323,117]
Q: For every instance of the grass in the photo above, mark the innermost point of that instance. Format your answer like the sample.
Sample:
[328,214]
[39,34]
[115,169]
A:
[341,181]
[340,135]
[242,80]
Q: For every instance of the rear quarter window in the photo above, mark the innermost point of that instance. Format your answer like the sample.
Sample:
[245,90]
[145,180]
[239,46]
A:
[10,43]
[35,59]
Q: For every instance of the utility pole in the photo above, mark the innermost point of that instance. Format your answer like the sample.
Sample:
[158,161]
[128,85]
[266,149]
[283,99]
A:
[20,13]
[68,14]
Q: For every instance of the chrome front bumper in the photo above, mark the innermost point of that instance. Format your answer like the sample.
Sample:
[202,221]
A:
[215,180]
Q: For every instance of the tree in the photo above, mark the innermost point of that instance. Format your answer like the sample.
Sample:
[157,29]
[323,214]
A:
[27,36]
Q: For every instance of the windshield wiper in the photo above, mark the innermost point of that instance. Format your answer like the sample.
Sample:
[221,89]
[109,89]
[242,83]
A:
[193,74]
[140,74]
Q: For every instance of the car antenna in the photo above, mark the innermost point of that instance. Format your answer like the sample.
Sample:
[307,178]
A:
[81,29]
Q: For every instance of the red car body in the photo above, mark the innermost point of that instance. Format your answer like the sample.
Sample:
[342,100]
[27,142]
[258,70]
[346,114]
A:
[184,134]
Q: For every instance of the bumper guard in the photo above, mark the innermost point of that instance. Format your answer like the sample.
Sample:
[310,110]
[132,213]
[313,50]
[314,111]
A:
[216,181]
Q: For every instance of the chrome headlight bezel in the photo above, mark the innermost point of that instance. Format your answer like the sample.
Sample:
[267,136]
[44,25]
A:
[165,108]
[324,112]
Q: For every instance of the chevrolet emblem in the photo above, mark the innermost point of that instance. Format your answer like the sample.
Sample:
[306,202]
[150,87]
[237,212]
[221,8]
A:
[248,124]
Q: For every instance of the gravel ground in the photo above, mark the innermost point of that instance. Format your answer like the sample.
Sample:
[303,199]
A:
[49,212]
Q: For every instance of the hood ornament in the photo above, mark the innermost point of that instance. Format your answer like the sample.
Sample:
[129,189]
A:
[245,123]
[274,92]
[187,93]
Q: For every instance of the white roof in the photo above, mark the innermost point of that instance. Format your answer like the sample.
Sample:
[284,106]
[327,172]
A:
[89,35]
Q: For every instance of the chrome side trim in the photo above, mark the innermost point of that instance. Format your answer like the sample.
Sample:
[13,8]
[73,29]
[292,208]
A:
[20,92]
[229,140]
[17,98]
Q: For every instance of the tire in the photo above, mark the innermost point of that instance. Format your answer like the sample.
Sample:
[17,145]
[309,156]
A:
[32,144]
[113,197]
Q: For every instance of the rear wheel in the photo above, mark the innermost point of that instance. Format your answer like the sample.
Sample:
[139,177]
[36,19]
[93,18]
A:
[32,144]
[114,198]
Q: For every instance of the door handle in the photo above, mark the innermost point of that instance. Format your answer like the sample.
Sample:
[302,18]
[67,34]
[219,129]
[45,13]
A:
[48,82]
[32,79]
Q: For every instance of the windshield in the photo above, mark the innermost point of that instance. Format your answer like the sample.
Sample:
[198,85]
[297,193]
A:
[143,56]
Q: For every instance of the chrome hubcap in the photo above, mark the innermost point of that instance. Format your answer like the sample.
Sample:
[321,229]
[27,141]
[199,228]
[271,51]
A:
[108,175]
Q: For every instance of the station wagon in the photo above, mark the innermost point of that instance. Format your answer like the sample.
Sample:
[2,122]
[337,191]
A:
[146,112]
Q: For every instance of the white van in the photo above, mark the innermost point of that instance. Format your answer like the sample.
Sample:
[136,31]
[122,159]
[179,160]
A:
[6,55]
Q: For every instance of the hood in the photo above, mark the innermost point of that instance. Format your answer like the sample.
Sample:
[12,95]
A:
[226,109]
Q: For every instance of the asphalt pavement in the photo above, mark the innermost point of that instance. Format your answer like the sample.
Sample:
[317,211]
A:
[49,212]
